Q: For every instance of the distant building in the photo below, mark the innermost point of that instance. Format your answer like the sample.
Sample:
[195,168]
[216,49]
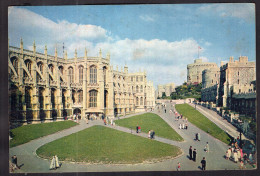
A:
[232,86]
[167,89]
[194,71]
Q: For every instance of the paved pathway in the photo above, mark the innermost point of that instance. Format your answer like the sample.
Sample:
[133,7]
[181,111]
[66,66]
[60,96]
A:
[26,153]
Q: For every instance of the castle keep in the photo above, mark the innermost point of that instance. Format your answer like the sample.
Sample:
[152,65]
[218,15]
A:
[45,87]
[194,71]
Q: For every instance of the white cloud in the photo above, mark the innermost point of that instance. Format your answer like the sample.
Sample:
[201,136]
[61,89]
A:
[146,18]
[245,11]
[163,61]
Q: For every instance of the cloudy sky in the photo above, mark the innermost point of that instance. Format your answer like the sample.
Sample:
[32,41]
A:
[161,39]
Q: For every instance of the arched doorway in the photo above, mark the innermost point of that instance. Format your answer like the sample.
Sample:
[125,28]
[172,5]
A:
[77,112]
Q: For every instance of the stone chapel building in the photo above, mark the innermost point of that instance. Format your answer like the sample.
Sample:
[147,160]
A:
[45,87]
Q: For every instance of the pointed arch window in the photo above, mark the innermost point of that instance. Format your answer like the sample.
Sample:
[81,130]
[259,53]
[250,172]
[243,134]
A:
[137,100]
[141,88]
[141,101]
[71,75]
[93,74]
[81,74]
[137,89]
[15,64]
[93,98]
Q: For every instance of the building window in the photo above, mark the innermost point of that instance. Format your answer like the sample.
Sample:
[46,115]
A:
[80,97]
[141,88]
[29,66]
[15,64]
[105,74]
[132,78]
[137,89]
[93,98]
[51,68]
[40,66]
[136,78]
[141,78]
[238,81]
[137,100]
[238,73]
[71,75]
[81,74]
[61,70]
[93,74]
[141,101]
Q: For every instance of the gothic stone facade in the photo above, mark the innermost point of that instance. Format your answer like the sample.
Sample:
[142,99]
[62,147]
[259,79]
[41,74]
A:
[45,87]
[194,71]
[167,88]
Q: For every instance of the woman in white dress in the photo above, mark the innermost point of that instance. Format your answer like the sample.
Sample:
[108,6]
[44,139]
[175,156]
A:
[57,164]
[53,163]
[235,157]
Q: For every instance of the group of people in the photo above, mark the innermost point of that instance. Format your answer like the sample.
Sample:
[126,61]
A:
[55,163]
[183,126]
[151,134]
[193,155]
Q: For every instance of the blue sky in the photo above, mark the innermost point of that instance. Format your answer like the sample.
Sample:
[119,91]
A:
[162,39]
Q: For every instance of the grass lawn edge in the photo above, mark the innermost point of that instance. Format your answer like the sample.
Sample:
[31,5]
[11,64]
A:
[9,142]
[147,161]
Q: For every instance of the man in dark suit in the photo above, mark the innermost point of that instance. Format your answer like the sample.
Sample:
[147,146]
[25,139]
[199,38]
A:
[190,152]
[194,155]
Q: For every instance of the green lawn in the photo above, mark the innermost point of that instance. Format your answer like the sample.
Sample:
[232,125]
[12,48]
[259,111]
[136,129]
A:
[99,144]
[202,122]
[27,133]
[150,121]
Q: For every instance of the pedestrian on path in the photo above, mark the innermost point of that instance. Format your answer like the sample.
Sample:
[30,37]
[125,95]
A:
[57,164]
[183,126]
[235,157]
[207,147]
[194,155]
[137,129]
[190,152]
[229,153]
[14,161]
[53,163]
[179,167]
[203,164]
[198,136]
[149,134]
[186,126]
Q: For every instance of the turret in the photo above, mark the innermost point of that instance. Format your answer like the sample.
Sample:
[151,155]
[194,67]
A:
[85,57]
[34,47]
[21,45]
[45,51]
[56,53]
[75,56]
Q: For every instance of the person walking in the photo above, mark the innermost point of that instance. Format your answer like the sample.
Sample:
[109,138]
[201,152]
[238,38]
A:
[180,126]
[137,129]
[229,153]
[190,152]
[183,126]
[203,164]
[235,157]
[186,126]
[57,164]
[149,134]
[207,147]
[194,155]
[53,163]
[14,161]
[198,136]
[179,167]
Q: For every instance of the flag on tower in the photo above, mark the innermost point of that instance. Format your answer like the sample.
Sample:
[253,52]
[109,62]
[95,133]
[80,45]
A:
[199,47]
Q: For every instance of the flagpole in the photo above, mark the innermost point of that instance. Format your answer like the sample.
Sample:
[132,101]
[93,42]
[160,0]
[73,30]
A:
[198,52]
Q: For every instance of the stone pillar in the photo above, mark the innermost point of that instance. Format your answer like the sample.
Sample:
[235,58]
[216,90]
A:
[84,89]
[35,104]
[110,105]
[100,79]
